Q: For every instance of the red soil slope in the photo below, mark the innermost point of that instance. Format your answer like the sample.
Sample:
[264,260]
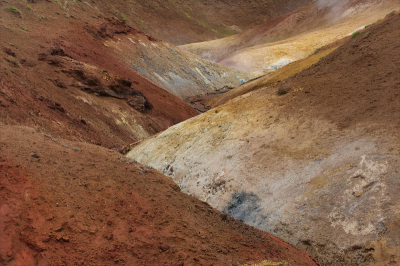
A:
[70,203]
[58,77]
[181,22]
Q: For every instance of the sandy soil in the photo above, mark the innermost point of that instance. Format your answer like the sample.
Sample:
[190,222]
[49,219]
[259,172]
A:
[312,159]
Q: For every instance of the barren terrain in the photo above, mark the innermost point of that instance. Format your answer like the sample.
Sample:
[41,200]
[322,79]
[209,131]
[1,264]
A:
[96,79]
[181,22]
[312,159]
[58,77]
[306,154]
[73,203]
[177,71]
[78,86]
[293,36]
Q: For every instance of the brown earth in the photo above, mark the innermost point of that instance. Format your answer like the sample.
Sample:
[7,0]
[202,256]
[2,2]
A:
[181,22]
[65,201]
[178,22]
[357,83]
[71,203]
[58,77]
[312,159]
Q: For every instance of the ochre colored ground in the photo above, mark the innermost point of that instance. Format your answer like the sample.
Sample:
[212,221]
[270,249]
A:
[271,78]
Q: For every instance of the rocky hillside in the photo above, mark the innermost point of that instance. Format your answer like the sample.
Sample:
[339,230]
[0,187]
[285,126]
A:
[177,71]
[312,159]
[58,77]
[70,72]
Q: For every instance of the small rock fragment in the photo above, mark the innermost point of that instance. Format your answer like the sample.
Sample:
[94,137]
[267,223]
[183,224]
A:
[9,52]
[42,57]
[34,155]
[60,84]
[164,248]
[223,216]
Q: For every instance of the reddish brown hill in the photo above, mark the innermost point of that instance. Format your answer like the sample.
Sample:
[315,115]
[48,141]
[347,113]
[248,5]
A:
[181,22]
[178,22]
[69,203]
[58,77]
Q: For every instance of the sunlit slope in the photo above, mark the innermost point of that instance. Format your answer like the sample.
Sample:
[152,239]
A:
[292,36]
[315,166]
[272,77]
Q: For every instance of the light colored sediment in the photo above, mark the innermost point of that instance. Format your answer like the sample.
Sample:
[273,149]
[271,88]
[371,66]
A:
[317,166]
[293,36]
[333,193]
[179,72]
